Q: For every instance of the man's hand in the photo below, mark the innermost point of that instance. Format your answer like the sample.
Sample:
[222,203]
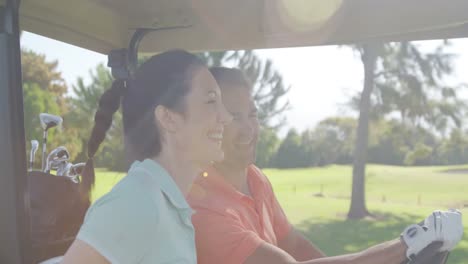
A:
[454,231]
[443,226]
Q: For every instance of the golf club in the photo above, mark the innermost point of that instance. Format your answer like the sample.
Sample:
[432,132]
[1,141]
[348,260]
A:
[55,157]
[75,171]
[34,147]
[47,121]
[63,168]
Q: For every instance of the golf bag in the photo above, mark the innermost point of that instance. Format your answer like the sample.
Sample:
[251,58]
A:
[57,211]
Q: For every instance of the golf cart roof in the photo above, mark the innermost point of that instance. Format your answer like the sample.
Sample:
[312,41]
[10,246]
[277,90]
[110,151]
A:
[103,25]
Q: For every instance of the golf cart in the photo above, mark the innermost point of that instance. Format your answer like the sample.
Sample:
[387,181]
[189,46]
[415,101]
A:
[122,28]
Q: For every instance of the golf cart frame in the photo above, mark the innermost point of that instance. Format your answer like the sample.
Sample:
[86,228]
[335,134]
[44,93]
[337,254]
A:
[14,219]
[189,24]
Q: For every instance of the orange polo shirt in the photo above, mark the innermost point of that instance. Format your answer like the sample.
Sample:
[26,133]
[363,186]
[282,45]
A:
[229,225]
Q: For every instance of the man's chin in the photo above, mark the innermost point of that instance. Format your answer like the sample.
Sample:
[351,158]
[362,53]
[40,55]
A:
[247,161]
[237,159]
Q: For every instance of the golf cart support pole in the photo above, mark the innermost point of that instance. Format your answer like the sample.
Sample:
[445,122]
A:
[124,62]
[15,246]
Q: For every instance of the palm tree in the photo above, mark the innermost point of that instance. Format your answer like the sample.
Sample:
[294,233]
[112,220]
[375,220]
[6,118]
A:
[399,78]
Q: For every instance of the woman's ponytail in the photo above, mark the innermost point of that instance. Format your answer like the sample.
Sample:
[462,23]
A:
[109,103]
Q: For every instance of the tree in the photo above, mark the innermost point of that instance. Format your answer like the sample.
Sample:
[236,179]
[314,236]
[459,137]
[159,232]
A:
[45,74]
[369,54]
[44,91]
[290,153]
[310,148]
[332,141]
[400,78]
[413,84]
[36,101]
[267,146]
[388,142]
[420,152]
[453,150]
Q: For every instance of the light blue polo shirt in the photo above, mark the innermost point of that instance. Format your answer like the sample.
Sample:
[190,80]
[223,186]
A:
[143,219]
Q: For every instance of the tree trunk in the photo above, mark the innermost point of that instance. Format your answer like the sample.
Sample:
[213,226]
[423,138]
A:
[358,207]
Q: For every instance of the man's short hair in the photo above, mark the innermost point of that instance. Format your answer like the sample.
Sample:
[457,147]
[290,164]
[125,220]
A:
[232,76]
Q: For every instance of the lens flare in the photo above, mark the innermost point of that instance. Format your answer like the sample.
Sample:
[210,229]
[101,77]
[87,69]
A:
[307,15]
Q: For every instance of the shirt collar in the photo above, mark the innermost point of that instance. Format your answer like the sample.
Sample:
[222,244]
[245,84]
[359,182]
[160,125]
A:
[163,180]
[211,182]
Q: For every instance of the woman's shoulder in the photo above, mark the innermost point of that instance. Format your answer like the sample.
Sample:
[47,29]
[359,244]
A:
[121,221]
[129,199]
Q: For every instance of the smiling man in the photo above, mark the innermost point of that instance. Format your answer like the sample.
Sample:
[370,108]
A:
[239,220]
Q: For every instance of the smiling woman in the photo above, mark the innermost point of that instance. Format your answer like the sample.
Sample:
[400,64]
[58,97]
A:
[173,122]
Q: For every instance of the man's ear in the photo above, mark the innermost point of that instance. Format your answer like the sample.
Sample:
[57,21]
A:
[165,118]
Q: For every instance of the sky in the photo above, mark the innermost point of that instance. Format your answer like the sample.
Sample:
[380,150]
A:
[322,79]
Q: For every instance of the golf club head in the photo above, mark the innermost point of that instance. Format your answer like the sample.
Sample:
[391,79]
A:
[74,179]
[75,172]
[77,169]
[62,168]
[58,165]
[56,156]
[34,146]
[49,121]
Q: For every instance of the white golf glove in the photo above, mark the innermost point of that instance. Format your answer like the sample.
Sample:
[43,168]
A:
[454,231]
[445,226]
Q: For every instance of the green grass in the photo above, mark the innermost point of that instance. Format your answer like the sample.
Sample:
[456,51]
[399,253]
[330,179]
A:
[398,196]
[105,180]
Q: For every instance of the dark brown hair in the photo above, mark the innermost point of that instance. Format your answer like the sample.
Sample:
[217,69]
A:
[164,79]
